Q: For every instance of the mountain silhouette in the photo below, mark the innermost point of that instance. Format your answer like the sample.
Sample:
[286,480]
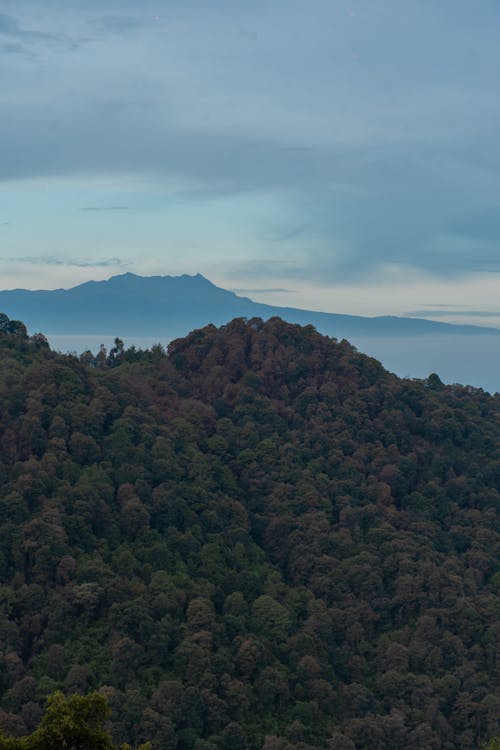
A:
[170,306]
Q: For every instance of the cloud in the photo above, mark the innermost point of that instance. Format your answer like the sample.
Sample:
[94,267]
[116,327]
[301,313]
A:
[264,291]
[49,260]
[454,313]
[390,166]
[15,48]
[27,38]
[10,27]
[104,208]
[116,24]
[483,224]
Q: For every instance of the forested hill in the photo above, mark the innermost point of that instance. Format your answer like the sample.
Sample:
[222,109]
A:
[260,540]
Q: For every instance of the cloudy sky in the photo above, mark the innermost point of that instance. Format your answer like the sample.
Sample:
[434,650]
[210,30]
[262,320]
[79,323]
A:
[335,154]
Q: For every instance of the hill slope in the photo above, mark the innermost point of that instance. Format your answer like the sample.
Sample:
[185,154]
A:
[261,540]
[170,306]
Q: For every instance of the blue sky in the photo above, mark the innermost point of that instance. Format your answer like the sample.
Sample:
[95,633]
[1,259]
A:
[335,154]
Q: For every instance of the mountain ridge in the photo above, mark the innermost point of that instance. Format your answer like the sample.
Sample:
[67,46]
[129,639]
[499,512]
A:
[173,305]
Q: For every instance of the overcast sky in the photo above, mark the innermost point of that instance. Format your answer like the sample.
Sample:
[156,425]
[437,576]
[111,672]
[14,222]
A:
[335,154]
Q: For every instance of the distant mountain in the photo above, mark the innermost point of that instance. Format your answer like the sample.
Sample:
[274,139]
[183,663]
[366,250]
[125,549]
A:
[170,306]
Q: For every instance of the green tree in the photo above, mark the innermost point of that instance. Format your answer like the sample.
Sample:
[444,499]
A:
[73,723]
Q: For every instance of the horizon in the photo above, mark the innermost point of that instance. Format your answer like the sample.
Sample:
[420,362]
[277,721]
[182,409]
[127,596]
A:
[324,163]
[419,314]
[458,356]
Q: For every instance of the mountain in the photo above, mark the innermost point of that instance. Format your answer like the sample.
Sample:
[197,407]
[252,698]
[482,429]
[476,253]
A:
[259,540]
[170,306]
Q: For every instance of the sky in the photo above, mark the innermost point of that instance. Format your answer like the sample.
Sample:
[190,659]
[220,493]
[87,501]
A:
[338,155]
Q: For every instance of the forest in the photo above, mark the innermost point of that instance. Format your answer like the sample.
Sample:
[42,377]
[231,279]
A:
[257,539]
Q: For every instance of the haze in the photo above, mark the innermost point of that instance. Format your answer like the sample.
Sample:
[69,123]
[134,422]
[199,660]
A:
[334,155]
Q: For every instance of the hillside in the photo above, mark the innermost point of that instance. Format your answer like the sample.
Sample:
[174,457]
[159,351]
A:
[258,540]
[170,306]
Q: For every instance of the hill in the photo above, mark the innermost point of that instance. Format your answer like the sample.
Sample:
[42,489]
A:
[258,540]
[170,306]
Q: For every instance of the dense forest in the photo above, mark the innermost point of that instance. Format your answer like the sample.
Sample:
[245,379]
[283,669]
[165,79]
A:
[256,540]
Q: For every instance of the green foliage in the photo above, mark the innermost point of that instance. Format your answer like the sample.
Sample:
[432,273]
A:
[270,618]
[260,540]
[73,723]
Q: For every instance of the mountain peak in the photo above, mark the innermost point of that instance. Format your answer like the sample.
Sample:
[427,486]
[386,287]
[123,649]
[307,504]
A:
[129,278]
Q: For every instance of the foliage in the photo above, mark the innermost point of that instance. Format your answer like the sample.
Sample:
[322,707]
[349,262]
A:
[260,539]
[73,723]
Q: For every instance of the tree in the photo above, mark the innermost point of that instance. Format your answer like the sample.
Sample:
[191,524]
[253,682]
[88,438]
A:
[116,353]
[73,723]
